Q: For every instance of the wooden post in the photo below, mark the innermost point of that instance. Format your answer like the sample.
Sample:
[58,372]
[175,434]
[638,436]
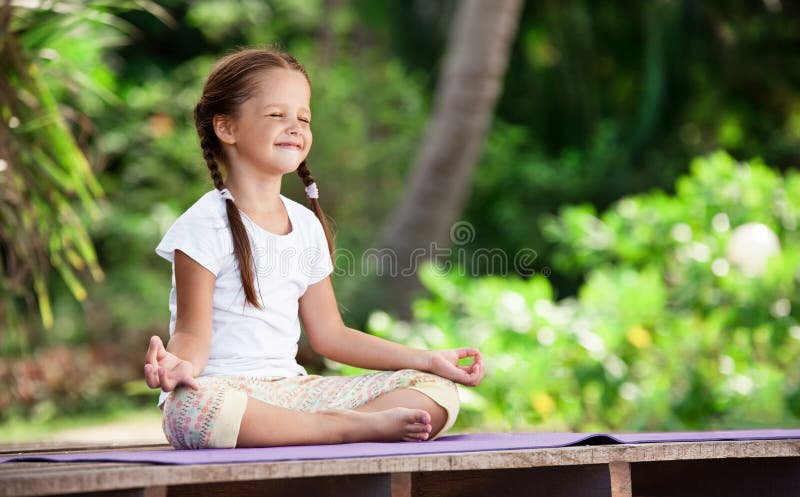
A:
[401,484]
[620,475]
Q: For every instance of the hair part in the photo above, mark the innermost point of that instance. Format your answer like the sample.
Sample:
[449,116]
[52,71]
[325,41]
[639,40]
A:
[233,81]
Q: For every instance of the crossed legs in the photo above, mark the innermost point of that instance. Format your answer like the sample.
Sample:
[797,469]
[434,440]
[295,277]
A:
[230,411]
[400,415]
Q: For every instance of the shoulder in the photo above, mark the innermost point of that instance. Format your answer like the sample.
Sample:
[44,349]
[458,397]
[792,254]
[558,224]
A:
[201,232]
[301,213]
[208,210]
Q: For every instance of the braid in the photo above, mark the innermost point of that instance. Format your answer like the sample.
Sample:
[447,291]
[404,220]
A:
[213,167]
[241,242]
[305,176]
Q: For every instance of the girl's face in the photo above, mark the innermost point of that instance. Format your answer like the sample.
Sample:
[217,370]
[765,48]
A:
[273,130]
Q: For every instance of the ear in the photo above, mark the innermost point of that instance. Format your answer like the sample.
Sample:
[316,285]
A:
[224,129]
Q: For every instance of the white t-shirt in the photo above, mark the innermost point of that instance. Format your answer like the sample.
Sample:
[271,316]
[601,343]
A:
[247,341]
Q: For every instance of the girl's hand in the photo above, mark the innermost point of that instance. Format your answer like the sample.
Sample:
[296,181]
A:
[445,364]
[165,369]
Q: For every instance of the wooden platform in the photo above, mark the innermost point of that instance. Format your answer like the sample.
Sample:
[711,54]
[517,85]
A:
[707,469]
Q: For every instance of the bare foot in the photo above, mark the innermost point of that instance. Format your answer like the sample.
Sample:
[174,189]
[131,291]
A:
[392,425]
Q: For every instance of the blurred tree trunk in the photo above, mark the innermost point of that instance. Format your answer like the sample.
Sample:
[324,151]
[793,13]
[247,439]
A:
[661,26]
[472,77]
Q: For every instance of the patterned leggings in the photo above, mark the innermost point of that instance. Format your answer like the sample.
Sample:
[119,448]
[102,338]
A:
[210,417]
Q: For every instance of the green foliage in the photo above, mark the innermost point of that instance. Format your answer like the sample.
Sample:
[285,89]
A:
[48,189]
[45,173]
[607,99]
[671,329]
[595,106]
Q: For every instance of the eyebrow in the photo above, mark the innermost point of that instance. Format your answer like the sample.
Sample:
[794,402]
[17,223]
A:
[302,109]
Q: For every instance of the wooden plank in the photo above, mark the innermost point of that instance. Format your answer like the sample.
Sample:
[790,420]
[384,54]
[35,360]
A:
[131,492]
[620,475]
[59,448]
[325,486]
[762,477]
[41,469]
[81,477]
[401,484]
[565,481]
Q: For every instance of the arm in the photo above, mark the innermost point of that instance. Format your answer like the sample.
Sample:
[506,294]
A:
[186,354]
[194,286]
[330,337]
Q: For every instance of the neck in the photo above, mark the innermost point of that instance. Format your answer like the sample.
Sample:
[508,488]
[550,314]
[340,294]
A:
[255,194]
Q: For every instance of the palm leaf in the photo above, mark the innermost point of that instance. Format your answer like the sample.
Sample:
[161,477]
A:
[48,183]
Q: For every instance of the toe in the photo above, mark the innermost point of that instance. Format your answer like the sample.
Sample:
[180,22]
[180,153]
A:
[418,428]
[417,437]
[422,417]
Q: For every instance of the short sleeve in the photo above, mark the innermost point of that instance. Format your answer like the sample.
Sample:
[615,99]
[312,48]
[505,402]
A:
[201,238]
[317,258]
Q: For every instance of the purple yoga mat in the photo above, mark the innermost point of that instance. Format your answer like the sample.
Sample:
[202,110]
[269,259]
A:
[449,444]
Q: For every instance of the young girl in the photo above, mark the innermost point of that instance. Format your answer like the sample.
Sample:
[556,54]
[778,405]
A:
[246,260]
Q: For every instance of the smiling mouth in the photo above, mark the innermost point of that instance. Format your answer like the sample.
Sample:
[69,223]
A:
[293,146]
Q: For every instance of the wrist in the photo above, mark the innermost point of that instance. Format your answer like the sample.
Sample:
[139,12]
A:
[195,370]
[424,361]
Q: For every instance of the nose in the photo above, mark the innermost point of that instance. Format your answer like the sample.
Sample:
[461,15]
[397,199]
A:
[294,128]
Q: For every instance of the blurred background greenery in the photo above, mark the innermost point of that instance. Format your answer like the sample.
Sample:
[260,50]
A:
[663,290]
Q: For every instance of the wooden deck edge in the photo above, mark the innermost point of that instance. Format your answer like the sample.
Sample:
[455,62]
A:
[83,476]
[11,450]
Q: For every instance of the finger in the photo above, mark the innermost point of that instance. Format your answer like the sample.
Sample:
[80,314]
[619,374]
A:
[167,385]
[150,377]
[471,369]
[482,373]
[152,352]
[150,355]
[462,377]
[161,350]
[466,352]
[473,375]
[192,382]
[476,375]
[477,363]
[459,374]
[153,357]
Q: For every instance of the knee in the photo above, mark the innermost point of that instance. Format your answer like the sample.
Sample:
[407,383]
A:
[199,419]
[185,411]
[443,392]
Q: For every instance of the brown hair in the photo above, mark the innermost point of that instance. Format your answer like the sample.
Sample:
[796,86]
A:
[230,84]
